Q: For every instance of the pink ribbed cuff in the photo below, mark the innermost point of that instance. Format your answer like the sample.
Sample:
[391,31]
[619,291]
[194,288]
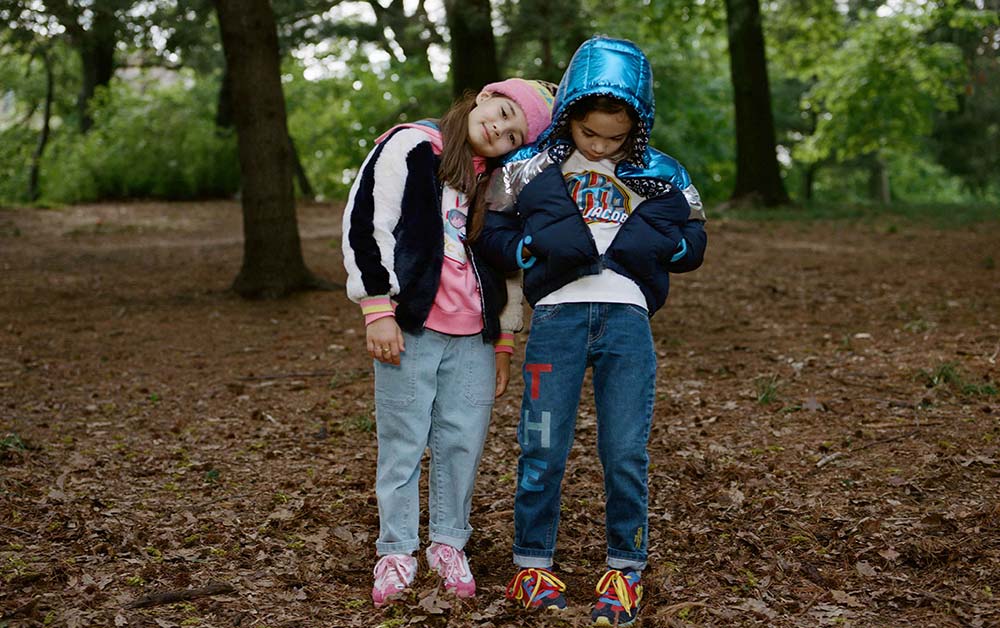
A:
[375,308]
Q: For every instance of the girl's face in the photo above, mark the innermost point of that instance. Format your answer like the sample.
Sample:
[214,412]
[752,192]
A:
[600,135]
[496,125]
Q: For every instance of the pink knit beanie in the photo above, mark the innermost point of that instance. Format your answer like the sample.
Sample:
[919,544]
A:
[533,97]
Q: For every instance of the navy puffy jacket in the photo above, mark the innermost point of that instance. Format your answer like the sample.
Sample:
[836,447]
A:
[565,250]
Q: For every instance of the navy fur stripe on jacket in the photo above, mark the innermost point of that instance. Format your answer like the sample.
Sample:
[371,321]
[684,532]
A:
[362,233]
[393,240]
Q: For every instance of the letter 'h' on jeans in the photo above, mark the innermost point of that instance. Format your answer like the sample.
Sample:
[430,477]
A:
[615,340]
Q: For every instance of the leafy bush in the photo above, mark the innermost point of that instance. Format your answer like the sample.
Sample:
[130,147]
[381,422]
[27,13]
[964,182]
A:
[160,143]
[334,121]
[16,145]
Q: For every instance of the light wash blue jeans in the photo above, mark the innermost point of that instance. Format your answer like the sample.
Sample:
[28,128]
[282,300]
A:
[441,397]
[615,340]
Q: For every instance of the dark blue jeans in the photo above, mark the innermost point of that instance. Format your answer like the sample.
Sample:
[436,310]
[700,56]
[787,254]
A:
[615,340]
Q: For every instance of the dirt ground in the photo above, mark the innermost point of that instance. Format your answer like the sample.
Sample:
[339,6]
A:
[825,449]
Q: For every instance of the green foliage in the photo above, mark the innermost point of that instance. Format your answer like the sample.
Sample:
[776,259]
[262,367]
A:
[917,88]
[540,36]
[687,48]
[22,101]
[335,121]
[159,143]
[16,146]
[966,140]
[878,92]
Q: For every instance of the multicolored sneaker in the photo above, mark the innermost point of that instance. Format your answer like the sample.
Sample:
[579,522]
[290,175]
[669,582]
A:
[618,597]
[393,574]
[452,565]
[537,588]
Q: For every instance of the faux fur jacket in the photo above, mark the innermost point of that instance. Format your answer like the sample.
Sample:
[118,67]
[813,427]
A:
[393,237]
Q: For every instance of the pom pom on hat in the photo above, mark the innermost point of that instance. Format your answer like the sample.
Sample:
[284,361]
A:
[534,98]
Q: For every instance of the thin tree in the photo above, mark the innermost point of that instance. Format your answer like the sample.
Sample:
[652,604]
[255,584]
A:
[92,29]
[758,178]
[473,47]
[272,252]
[43,136]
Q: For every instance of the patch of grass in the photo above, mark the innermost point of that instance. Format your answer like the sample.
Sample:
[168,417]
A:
[12,442]
[948,375]
[767,389]
[363,423]
[11,446]
[918,326]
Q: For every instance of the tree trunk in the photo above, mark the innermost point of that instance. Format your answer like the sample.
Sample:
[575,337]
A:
[305,187]
[878,181]
[758,178]
[224,104]
[272,252]
[808,181]
[471,30]
[224,121]
[43,137]
[97,57]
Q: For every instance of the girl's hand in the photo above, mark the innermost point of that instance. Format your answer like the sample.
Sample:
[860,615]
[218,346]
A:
[503,373]
[385,340]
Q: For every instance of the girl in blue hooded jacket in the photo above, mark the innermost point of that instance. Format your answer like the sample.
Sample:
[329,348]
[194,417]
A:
[597,220]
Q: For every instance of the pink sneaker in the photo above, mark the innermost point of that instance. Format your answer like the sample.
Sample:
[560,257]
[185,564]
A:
[393,574]
[452,565]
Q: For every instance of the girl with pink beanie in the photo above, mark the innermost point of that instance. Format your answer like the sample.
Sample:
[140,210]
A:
[437,321]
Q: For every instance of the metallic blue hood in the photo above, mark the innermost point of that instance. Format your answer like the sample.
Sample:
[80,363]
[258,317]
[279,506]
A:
[603,66]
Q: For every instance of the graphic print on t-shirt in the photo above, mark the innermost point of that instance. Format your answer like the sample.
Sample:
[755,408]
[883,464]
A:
[455,206]
[599,197]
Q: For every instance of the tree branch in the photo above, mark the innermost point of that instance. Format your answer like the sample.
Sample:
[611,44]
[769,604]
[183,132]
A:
[180,595]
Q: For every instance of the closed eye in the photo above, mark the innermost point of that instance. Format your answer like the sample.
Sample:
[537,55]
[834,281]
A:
[617,138]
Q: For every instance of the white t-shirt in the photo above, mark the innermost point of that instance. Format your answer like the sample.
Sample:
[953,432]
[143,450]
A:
[605,203]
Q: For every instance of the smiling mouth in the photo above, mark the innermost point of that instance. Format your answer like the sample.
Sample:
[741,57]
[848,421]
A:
[486,134]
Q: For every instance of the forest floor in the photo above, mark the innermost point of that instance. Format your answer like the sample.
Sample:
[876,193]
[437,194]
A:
[825,448]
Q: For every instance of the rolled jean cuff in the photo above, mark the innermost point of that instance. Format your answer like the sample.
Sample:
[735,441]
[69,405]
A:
[626,560]
[534,559]
[450,536]
[400,547]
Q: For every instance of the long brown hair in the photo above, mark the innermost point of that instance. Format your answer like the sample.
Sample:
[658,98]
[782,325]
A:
[457,169]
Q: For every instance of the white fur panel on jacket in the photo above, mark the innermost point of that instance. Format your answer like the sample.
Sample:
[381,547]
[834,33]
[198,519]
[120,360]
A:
[390,176]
